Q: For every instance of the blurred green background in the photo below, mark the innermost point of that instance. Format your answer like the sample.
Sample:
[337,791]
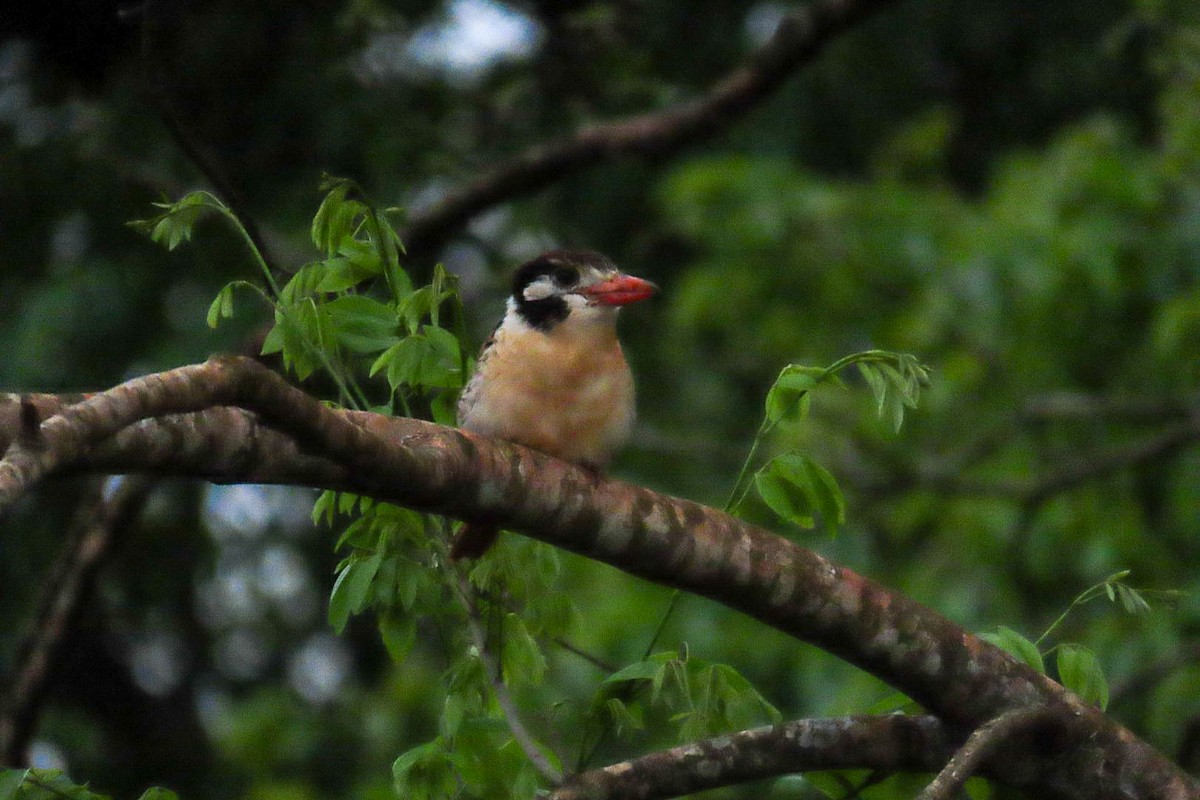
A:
[1008,189]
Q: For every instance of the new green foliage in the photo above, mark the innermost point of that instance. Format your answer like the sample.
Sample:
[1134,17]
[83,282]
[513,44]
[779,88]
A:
[50,784]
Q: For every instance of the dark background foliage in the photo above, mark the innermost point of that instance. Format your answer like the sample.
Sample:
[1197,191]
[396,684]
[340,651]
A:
[1007,189]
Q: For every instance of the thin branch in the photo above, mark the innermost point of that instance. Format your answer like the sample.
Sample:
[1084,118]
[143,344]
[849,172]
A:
[1135,686]
[495,676]
[669,541]
[981,745]
[152,12]
[891,743]
[799,37]
[97,522]
[595,660]
[1059,406]
[1083,469]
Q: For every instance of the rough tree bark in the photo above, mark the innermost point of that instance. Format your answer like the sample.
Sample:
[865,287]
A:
[284,436]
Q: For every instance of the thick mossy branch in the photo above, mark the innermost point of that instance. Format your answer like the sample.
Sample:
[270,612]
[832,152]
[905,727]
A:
[292,438]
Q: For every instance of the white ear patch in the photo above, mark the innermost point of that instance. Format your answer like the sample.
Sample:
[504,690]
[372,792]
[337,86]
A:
[540,289]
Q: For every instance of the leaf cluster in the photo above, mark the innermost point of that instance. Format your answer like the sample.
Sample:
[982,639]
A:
[52,784]
[1078,667]
[793,486]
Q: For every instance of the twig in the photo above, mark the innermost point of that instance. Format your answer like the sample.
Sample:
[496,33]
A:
[595,660]
[495,676]
[202,158]
[798,38]
[97,522]
[981,745]
[1076,406]
[1036,490]
[1152,674]
[889,743]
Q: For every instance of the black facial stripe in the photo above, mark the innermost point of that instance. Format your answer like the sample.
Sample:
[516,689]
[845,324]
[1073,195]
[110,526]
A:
[543,314]
[563,268]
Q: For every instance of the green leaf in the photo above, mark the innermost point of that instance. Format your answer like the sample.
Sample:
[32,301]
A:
[352,589]
[422,361]
[45,784]
[360,534]
[1131,600]
[878,384]
[354,263]
[624,716]
[789,396]
[1016,645]
[322,509]
[414,307]
[336,219]
[637,671]
[362,324]
[306,332]
[10,782]
[175,225]
[454,711]
[795,486]
[427,772]
[398,634]
[783,496]
[274,340]
[521,658]
[1079,670]
[738,694]
[444,409]
[222,306]
[828,495]
[839,784]
[302,285]
[158,793]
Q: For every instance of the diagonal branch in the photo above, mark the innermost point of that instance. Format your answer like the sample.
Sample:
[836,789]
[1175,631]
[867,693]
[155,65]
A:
[1035,490]
[494,673]
[152,14]
[99,519]
[667,540]
[892,743]
[799,37]
[982,745]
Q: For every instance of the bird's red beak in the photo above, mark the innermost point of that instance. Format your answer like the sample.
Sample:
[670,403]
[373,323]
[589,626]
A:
[619,290]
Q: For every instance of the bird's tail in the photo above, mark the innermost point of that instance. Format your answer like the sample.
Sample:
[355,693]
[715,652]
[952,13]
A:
[473,541]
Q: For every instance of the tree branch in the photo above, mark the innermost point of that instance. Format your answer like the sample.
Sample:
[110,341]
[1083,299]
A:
[494,673]
[889,743]
[799,37]
[201,157]
[674,542]
[1088,467]
[98,521]
[981,745]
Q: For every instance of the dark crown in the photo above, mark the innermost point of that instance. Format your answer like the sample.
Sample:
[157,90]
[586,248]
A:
[563,267]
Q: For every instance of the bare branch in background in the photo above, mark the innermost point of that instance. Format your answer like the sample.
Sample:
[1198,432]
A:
[98,521]
[800,36]
[201,157]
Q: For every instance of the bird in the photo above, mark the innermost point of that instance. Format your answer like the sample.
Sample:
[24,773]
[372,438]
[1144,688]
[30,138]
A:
[552,376]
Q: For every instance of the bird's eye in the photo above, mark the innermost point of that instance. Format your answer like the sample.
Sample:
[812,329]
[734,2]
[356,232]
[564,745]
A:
[565,276]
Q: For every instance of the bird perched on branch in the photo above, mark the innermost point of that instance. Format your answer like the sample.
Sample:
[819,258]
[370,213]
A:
[552,376]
